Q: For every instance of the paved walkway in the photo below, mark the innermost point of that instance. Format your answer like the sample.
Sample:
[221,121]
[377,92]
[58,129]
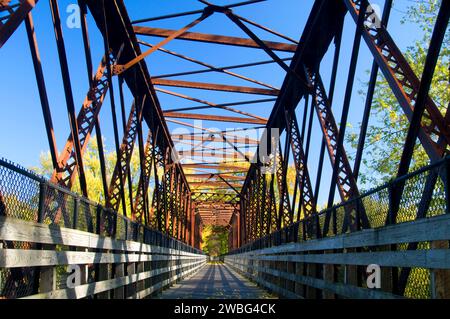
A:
[215,281]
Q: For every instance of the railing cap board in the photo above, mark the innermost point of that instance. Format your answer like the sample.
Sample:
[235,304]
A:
[24,231]
[413,231]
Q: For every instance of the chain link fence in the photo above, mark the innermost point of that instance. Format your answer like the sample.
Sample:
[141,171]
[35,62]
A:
[424,194]
[27,196]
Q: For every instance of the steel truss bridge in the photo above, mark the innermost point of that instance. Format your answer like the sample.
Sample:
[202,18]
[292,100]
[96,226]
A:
[144,237]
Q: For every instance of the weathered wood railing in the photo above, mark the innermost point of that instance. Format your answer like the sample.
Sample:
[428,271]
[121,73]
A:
[311,260]
[108,268]
[55,244]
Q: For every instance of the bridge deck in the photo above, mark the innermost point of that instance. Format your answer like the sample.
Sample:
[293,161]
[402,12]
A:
[215,281]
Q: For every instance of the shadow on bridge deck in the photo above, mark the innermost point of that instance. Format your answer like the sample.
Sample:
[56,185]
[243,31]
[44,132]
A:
[215,281]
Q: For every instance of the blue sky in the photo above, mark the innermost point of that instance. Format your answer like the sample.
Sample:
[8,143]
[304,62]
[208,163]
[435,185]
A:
[22,131]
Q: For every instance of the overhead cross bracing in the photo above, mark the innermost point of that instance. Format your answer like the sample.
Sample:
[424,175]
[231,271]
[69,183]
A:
[214,161]
[202,138]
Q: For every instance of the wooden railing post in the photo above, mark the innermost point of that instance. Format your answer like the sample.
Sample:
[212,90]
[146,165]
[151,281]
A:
[45,276]
[76,207]
[447,185]
[42,197]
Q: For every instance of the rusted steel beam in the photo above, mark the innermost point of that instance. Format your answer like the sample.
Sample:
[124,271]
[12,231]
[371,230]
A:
[122,39]
[215,87]
[17,13]
[345,181]
[202,107]
[220,149]
[124,158]
[405,86]
[222,219]
[183,96]
[182,14]
[204,148]
[215,118]
[332,87]
[211,197]
[118,69]
[64,65]
[272,204]
[215,167]
[301,166]
[223,156]
[208,209]
[413,131]
[42,89]
[213,139]
[144,179]
[213,212]
[124,127]
[369,97]
[225,176]
[109,75]
[424,88]
[262,27]
[209,66]
[66,174]
[169,193]
[145,163]
[238,66]
[90,70]
[215,183]
[157,214]
[227,139]
[229,184]
[319,31]
[222,206]
[212,38]
[346,104]
[267,49]
[285,213]
[212,189]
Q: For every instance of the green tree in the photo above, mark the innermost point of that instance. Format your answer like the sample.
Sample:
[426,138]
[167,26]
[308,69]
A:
[93,175]
[215,240]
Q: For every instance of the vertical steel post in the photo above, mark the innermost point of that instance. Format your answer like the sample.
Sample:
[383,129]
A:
[305,118]
[337,52]
[427,78]
[89,65]
[369,98]
[124,126]
[347,99]
[139,107]
[113,107]
[42,197]
[68,92]
[42,89]
[76,208]
[447,184]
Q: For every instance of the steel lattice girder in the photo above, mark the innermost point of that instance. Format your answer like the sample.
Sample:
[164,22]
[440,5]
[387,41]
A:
[138,80]
[346,181]
[405,85]
[314,44]
[285,214]
[212,38]
[66,173]
[144,180]
[17,12]
[124,157]
[306,191]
